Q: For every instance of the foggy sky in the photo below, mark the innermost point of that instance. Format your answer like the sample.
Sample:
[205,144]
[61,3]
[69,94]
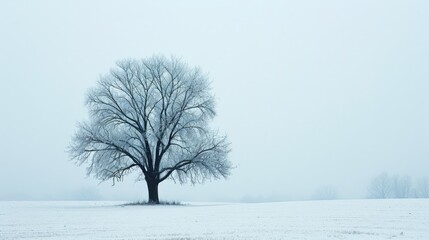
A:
[310,93]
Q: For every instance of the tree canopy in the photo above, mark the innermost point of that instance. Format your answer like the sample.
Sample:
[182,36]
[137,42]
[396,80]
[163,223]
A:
[152,115]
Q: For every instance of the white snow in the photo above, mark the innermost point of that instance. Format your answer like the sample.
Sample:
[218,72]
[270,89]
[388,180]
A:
[341,219]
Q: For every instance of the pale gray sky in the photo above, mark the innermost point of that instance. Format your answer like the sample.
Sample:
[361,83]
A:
[310,93]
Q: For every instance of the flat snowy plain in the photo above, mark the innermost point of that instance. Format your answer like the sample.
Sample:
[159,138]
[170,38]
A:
[340,219]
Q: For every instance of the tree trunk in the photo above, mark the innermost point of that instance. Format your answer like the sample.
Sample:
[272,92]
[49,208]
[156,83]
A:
[152,188]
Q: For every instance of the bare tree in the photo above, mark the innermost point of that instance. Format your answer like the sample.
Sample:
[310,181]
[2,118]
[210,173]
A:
[152,116]
[422,188]
[380,187]
[401,186]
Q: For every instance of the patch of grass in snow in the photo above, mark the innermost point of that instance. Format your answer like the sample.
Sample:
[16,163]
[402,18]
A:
[354,232]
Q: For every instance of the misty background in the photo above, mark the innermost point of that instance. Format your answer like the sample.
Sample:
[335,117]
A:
[312,94]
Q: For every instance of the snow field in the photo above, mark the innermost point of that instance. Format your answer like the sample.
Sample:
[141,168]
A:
[341,219]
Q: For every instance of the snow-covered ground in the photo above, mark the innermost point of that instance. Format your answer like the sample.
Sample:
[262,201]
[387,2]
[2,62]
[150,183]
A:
[343,219]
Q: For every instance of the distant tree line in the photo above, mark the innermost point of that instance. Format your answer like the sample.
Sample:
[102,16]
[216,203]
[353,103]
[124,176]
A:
[398,186]
[326,192]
